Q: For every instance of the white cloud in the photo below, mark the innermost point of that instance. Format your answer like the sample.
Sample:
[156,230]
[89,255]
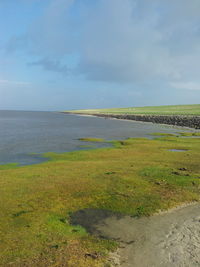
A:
[186,85]
[9,82]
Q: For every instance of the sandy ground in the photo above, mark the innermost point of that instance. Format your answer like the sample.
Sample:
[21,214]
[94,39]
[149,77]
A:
[169,239]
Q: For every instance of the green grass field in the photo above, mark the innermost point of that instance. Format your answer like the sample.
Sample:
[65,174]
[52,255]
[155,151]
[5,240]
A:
[157,110]
[136,177]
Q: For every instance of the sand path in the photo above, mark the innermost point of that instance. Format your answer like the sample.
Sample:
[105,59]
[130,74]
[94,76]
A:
[170,239]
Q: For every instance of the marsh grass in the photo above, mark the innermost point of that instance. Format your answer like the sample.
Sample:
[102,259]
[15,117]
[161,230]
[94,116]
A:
[164,134]
[190,134]
[8,166]
[137,176]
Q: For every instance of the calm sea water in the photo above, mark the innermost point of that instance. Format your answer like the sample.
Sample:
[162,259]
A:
[23,133]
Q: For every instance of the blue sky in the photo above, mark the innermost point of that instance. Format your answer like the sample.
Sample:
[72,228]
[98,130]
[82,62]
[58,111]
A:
[71,54]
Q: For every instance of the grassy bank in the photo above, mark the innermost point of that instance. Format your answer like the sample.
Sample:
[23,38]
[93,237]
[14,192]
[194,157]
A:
[136,177]
[156,110]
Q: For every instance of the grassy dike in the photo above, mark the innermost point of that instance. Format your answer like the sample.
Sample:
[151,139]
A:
[137,177]
[178,115]
[187,110]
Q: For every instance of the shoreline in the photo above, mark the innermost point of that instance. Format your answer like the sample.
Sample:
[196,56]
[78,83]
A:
[192,122]
[111,118]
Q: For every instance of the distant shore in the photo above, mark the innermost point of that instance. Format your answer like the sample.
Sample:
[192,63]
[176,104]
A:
[175,120]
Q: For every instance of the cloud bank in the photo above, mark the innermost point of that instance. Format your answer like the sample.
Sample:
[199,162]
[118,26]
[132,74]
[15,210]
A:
[86,53]
[117,40]
[51,65]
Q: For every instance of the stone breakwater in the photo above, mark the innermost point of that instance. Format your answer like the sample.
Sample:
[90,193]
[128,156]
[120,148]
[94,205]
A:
[184,121]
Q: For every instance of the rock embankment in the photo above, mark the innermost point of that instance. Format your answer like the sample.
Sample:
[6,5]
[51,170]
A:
[184,121]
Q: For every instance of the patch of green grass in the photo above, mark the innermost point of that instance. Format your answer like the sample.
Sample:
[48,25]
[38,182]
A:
[9,166]
[166,177]
[190,134]
[152,110]
[137,176]
[61,226]
[163,134]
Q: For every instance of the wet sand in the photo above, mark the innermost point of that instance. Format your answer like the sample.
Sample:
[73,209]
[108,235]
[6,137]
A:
[170,239]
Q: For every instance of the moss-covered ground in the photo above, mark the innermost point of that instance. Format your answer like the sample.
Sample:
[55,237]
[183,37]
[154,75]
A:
[137,177]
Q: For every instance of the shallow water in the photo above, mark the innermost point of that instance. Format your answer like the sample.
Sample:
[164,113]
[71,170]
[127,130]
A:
[23,133]
[178,150]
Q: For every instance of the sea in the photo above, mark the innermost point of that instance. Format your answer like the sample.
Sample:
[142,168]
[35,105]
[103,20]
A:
[26,135]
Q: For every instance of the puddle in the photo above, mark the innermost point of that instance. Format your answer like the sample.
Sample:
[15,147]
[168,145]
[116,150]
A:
[178,150]
[90,218]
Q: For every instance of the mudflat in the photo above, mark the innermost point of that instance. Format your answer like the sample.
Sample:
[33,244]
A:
[163,240]
[170,239]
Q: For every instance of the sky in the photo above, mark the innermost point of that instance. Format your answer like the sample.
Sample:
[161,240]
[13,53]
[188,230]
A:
[80,54]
